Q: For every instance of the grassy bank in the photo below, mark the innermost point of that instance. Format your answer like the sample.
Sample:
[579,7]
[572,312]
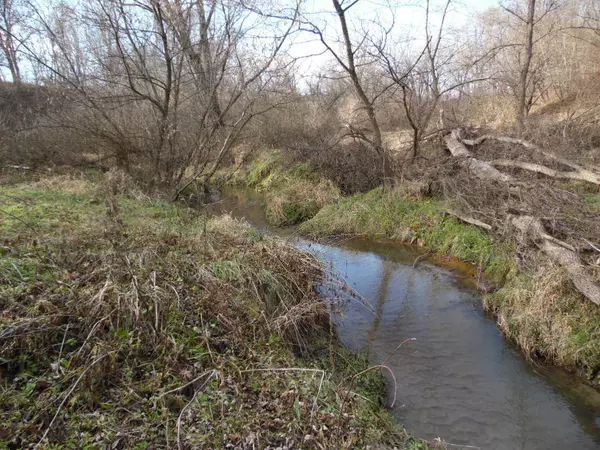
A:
[294,192]
[536,306]
[127,322]
[390,215]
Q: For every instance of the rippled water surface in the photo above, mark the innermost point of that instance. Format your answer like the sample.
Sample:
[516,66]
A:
[460,380]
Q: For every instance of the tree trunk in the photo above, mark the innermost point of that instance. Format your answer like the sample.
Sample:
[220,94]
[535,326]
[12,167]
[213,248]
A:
[562,254]
[367,104]
[538,168]
[579,172]
[479,168]
[523,108]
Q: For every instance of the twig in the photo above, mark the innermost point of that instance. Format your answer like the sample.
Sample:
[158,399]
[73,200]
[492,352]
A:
[73,386]
[179,419]
[186,407]
[209,372]
[63,343]
[312,412]
[379,366]
[397,348]
[28,225]
[93,330]
[439,441]
[592,245]
[420,257]
[470,220]
[282,369]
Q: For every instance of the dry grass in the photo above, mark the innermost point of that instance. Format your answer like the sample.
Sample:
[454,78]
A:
[298,200]
[293,192]
[140,324]
[546,317]
[71,184]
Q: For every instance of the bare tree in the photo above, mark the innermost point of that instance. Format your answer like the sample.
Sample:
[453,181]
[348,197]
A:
[167,86]
[11,16]
[530,20]
[422,79]
[523,109]
[347,61]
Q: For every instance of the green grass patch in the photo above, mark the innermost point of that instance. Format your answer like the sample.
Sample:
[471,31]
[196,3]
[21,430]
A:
[293,192]
[594,202]
[543,314]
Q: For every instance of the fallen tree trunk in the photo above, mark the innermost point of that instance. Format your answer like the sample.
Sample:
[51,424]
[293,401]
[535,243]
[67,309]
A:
[579,172]
[538,168]
[561,253]
[481,169]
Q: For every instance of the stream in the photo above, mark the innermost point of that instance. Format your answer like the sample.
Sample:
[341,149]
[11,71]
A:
[460,380]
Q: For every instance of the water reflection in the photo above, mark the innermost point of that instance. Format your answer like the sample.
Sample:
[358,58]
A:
[460,380]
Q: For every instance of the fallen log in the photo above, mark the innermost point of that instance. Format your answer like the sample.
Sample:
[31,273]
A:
[561,253]
[481,169]
[579,173]
[538,168]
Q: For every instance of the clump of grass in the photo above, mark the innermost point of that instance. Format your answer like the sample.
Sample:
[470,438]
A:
[546,317]
[137,323]
[394,216]
[594,202]
[293,193]
[295,200]
[263,167]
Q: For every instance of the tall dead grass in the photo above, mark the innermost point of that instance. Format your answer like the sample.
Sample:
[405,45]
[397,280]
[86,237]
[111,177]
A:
[546,317]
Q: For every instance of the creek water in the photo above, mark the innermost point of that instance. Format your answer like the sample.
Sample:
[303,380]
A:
[460,380]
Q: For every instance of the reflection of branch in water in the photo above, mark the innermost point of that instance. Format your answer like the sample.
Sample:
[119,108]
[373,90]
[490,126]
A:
[440,441]
[420,257]
[381,298]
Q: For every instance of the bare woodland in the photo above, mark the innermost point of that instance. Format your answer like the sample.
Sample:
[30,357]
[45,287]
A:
[496,112]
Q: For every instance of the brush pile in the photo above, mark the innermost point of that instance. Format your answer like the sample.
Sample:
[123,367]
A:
[534,198]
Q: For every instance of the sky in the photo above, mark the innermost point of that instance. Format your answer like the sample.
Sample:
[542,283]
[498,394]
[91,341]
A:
[409,21]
